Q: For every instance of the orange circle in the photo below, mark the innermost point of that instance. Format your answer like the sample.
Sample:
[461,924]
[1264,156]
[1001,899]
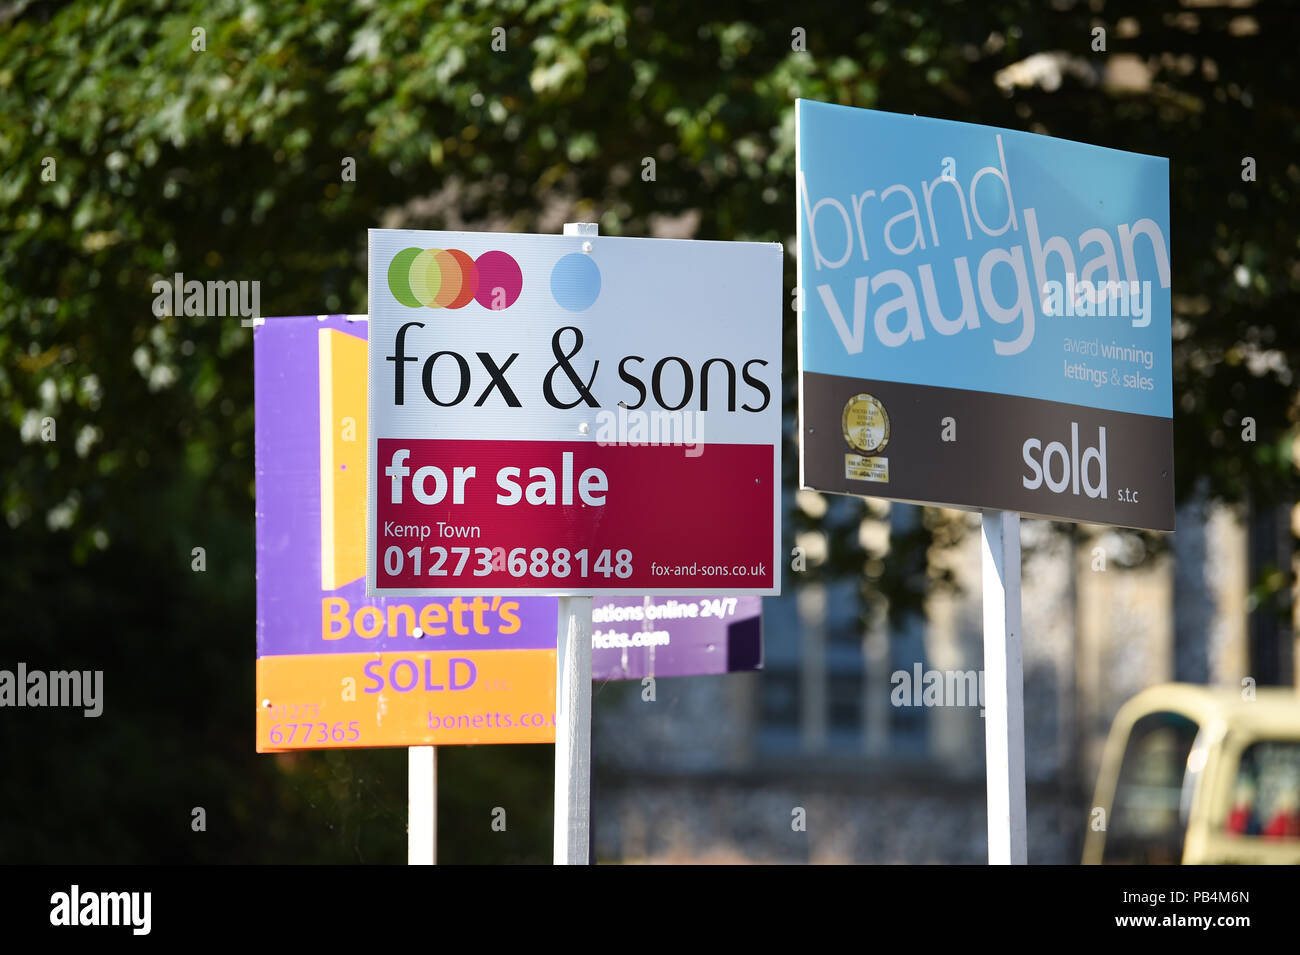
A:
[453,278]
[468,279]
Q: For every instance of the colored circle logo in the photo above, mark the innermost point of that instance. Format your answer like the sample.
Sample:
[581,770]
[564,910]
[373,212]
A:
[575,282]
[450,278]
[499,280]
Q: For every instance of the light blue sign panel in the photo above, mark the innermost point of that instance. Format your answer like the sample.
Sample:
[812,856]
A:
[949,254]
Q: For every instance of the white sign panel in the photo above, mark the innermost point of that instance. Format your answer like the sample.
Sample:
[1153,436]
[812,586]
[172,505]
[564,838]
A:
[573,415]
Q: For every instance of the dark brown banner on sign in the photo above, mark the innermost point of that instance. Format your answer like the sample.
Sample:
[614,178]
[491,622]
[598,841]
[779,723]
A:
[975,449]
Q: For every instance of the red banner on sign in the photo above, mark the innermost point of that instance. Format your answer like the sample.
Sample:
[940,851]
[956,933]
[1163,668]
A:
[496,516]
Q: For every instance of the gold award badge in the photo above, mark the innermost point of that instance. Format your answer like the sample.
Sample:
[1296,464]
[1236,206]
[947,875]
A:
[865,425]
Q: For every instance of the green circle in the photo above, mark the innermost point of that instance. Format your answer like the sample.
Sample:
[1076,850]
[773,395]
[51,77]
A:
[426,278]
[399,277]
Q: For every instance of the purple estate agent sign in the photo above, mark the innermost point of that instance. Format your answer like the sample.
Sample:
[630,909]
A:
[310,414]
[635,637]
[336,668]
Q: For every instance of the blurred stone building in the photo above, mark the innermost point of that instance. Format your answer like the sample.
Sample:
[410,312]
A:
[721,769]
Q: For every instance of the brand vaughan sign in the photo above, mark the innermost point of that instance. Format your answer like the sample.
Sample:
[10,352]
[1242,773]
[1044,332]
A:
[985,318]
[573,414]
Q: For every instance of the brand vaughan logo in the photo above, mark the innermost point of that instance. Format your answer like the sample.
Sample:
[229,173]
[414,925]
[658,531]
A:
[74,907]
[208,299]
[75,688]
[848,232]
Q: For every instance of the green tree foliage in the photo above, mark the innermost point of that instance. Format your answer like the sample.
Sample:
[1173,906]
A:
[131,151]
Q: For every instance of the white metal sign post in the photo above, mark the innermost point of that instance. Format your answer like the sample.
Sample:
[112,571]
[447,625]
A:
[573,732]
[1004,700]
[573,710]
[422,805]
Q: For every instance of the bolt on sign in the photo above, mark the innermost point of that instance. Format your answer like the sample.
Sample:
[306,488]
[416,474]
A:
[573,415]
[636,637]
[339,669]
[985,318]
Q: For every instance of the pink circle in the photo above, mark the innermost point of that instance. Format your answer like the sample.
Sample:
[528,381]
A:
[499,280]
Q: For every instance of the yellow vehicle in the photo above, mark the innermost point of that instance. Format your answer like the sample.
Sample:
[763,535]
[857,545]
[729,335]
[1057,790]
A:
[1195,774]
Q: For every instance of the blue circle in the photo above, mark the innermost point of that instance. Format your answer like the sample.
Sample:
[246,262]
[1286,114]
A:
[575,282]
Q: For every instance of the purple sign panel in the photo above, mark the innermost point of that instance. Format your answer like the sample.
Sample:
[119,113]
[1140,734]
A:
[636,637]
[310,388]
